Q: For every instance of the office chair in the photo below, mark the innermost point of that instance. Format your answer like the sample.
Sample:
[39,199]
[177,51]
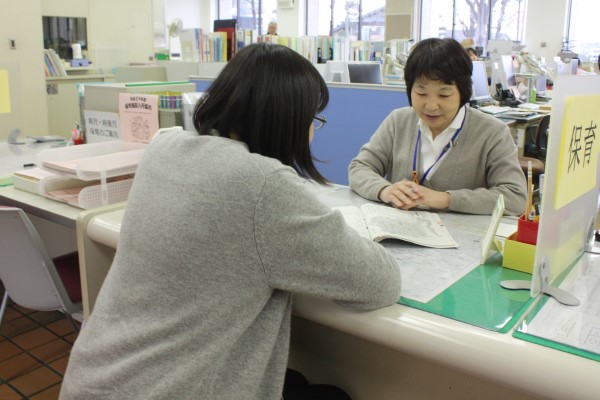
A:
[31,278]
[536,151]
[539,143]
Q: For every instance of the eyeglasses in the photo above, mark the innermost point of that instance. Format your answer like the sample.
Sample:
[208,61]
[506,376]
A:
[319,121]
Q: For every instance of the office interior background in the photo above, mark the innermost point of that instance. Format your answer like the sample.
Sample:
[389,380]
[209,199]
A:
[120,33]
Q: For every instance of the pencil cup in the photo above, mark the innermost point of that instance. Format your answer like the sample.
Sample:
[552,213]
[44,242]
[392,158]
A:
[77,141]
[527,231]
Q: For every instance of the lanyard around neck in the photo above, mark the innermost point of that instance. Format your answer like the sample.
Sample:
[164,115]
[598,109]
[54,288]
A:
[451,143]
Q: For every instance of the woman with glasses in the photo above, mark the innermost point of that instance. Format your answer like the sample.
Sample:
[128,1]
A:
[440,153]
[219,231]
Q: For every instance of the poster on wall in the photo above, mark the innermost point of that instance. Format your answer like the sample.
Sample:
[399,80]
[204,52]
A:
[138,116]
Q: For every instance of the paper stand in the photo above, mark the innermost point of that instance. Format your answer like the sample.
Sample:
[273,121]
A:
[13,135]
[560,295]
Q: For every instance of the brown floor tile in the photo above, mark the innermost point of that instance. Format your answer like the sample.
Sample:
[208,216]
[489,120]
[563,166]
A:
[61,364]
[21,374]
[52,350]
[46,317]
[22,309]
[8,350]
[11,314]
[7,393]
[17,366]
[47,394]
[36,381]
[34,338]
[17,326]
[71,337]
[61,327]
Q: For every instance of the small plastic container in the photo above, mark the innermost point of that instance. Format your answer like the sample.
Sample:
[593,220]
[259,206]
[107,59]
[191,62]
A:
[527,231]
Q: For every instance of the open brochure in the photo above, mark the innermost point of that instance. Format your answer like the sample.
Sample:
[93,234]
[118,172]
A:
[383,222]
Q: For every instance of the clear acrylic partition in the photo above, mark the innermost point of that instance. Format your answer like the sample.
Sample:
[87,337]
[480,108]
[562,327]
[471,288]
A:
[570,193]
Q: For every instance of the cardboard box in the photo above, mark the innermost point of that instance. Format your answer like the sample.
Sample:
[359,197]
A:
[517,255]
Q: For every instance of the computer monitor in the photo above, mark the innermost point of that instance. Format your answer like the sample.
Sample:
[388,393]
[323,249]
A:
[503,72]
[481,90]
[365,72]
[336,71]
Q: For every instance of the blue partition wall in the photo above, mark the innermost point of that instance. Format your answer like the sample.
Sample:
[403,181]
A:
[353,115]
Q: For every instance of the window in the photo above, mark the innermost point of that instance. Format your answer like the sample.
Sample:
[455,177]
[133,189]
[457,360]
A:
[250,14]
[479,20]
[354,19]
[582,32]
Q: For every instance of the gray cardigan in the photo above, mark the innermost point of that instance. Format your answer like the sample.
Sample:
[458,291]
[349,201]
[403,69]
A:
[198,300]
[483,164]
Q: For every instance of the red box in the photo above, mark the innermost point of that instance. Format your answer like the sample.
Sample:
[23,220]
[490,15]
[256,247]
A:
[527,231]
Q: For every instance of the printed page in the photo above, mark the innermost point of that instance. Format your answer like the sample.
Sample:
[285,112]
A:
[354,218]
[419,227]
[35,174]
[138,113]
[426,272]
[65,165]
[575,326]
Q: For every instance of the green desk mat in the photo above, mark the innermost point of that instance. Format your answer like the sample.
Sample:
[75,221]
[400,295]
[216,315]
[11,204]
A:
[478,299]
[6,181]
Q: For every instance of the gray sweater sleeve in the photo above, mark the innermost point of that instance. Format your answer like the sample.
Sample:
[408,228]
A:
[305,247]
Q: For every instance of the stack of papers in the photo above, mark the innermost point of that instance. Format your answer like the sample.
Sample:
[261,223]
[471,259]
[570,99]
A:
[494,109]
[529,106]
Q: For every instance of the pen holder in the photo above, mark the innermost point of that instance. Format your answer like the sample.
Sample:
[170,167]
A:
[517,255]
[77,141]
[527,231]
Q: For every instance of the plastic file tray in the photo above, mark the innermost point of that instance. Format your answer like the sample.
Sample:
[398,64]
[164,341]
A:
[94,161]
[91,196]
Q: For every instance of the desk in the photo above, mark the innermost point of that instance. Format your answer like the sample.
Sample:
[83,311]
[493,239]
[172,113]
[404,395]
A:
[14,156]
[33,204]
[54,221]
[398,351]
[519,125]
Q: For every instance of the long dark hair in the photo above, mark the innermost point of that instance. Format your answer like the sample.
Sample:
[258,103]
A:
[267,97]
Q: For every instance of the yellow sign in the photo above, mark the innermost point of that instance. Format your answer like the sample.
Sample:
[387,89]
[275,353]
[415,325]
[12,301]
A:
[4,92]
[579,148]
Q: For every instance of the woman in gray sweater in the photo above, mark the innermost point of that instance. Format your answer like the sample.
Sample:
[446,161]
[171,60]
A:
[219,231]
[440,153]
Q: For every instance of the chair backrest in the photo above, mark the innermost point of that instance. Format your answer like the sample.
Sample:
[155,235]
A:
[26,270]
[541,136]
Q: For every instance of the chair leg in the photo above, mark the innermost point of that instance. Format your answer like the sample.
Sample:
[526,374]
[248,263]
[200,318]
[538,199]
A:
[3,307]
[72,321]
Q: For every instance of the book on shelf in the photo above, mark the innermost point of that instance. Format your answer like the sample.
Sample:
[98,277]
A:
[379,222]
[53,64]
[229,27]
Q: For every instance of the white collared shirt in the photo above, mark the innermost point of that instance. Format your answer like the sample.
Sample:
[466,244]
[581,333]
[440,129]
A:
[431,149]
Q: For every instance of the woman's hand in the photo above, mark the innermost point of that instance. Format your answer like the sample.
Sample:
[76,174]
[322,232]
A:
[406,195]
